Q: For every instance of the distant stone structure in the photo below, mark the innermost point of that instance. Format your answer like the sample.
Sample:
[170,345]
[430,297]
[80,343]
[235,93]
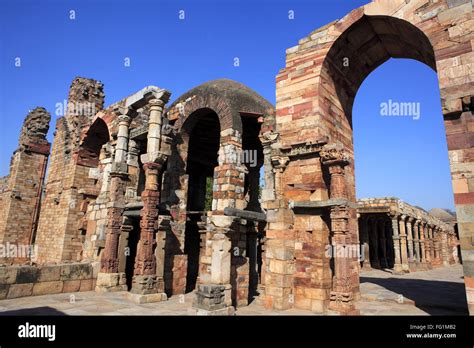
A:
[127,184]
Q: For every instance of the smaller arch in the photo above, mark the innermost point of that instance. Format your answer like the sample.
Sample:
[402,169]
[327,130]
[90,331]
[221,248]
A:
[92,141]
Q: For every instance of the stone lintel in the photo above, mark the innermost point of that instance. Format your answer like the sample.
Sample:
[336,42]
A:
[245,214]
[322,204]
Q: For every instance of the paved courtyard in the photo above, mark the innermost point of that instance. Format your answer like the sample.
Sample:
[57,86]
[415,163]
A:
[435,292]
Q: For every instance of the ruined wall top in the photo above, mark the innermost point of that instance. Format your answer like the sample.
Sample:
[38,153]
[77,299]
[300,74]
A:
[86,97]
[35,127]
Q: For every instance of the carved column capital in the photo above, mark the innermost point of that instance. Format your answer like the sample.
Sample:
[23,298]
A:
[334,155]
[280,162]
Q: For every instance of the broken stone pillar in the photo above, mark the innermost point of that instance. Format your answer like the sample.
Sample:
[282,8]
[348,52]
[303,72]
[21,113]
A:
[403,244]
[109,277]
[214,297]
[268,139]
[397,267]
[21,200]
[341,296]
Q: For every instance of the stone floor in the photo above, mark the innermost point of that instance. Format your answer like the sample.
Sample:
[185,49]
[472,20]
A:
[434,292]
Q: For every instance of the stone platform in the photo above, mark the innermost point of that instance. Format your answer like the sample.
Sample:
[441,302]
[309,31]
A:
[435,292]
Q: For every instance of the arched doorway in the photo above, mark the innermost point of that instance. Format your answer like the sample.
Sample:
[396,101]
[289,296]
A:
[203,145]
[315,94]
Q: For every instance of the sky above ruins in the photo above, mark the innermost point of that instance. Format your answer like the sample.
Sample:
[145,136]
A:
[130,44]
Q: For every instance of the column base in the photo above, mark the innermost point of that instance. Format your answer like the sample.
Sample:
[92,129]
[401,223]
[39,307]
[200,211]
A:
[149,298]
[110,282]
[213,298]
[343,303]
[147,284]
[398,269]
[405,268]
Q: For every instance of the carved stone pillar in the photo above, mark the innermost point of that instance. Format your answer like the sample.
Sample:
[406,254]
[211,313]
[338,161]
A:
[109,277]
[397,267]
[422,243]
[432,242]
[268,139]
[341,296]
[147,286]
[364,240]
[145,280]
[416,241]
[411,259]
[403,243]
[428,245]
[444,248]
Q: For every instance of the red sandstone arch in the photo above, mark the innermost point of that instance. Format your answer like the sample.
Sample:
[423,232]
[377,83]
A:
[315,93]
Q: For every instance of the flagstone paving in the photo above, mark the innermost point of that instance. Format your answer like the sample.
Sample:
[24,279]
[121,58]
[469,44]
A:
[435,292]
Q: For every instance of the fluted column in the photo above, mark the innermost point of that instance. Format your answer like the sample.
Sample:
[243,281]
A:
[397,267]
[403,243]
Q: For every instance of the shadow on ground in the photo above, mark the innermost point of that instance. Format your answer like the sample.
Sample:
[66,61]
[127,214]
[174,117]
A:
[33,311]
[433,297]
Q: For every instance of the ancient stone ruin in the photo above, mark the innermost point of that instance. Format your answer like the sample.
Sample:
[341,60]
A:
[160,200]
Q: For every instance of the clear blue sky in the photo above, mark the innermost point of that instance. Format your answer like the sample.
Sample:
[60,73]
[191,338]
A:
[395,156]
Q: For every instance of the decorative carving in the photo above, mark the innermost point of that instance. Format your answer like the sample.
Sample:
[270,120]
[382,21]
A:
[334,154]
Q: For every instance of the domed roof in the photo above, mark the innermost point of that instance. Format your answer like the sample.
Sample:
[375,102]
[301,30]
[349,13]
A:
[240,97]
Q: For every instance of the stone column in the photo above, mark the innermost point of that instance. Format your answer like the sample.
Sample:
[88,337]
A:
[375,262]
[428,245]
[397,267]
[437,246]
[382,243]
[411,259]
[268,139]
[416,241]
[403,243]
[146,285]
[444,248]
[422,243]
[364,240]
[432,249]
[341,296]
[109,277]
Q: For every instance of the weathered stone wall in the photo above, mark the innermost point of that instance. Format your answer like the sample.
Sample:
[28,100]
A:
[21,281]
[22,188]
[69,183]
